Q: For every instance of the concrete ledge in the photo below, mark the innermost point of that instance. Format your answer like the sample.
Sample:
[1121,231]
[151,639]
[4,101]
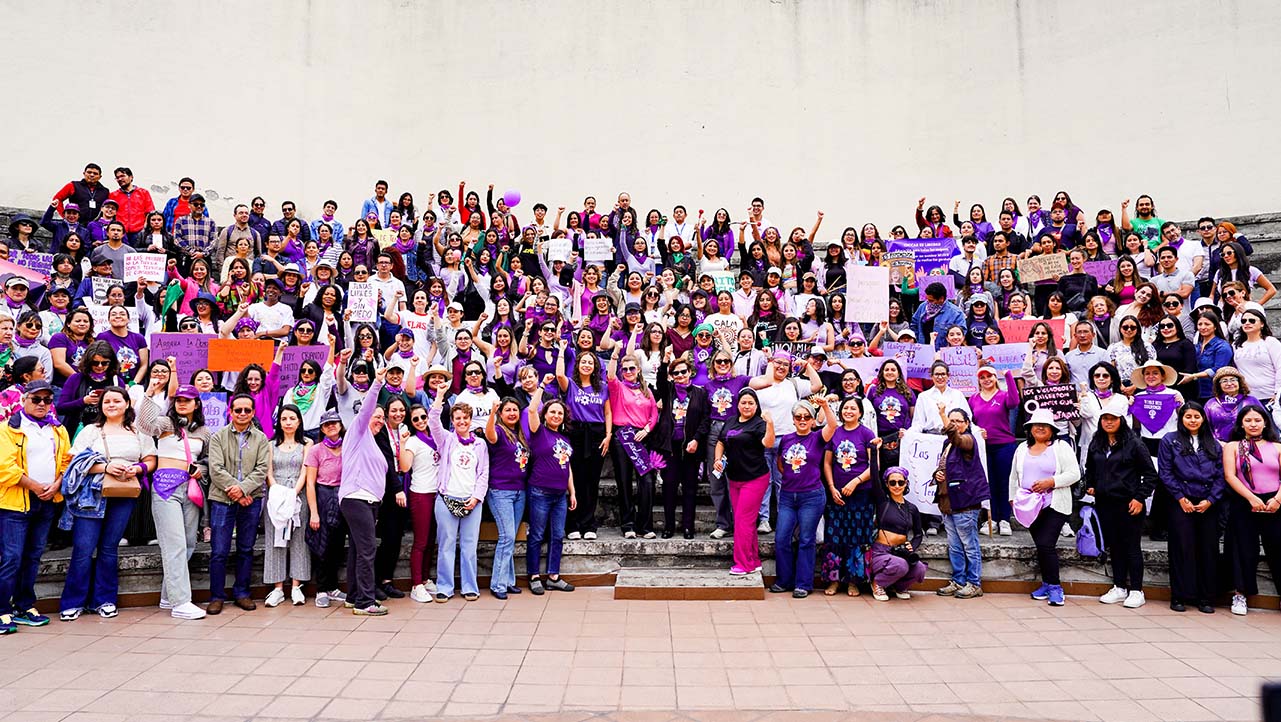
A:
[687,584]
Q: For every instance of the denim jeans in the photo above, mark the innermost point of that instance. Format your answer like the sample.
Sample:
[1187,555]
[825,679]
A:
[775,480]
[798,513]
[223,518]
[546,522]
[963,546]
[507,506]
[103,570]
[22,540]
[456,536]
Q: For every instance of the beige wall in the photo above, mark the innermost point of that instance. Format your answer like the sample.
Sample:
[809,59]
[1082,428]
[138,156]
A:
[855,107]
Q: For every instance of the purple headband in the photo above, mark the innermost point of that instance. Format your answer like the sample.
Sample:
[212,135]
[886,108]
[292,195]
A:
[246,322]
[894,470]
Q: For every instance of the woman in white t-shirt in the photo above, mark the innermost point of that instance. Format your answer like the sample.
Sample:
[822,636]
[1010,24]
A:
[419,457]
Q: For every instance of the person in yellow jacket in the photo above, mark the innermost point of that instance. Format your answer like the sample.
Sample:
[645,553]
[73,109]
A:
[34,451]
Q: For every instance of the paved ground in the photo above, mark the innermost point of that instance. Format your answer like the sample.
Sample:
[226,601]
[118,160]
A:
[585,656]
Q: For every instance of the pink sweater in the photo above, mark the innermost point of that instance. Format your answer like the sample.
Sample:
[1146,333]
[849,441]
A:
[631,408]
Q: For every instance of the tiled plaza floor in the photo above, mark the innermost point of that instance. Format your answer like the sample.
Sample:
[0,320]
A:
[585,656]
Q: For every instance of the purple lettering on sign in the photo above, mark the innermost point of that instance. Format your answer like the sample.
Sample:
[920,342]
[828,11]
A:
[189,350]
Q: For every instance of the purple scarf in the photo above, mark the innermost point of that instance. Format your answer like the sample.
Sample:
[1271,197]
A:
[331,443]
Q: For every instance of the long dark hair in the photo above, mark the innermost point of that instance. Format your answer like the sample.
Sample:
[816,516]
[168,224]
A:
[100,348]
[1269,428]
[1264,330]
[242,386]
[1242,271]
[278,433]
[1205,435]
[127,421]
[1116,376]
[1124,435]
[1136,346]
[178,424]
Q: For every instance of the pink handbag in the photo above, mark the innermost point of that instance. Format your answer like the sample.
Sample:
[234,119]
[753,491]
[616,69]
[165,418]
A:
[195,492]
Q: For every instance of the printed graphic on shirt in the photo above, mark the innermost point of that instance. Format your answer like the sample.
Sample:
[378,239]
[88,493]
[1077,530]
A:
[796,456]
[722,399]
[466,459]
[522,456]
[890,409]
[561,451]
[128,360]
[679,409]
[846,454]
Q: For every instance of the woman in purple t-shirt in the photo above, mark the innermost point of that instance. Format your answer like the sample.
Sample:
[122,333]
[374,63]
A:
[508,472]
[589,432]
[551,489]
[131,348]
[800,498]
[850,520]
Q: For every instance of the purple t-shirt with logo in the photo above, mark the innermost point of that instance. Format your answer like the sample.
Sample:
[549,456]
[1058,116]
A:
[722,396]
[508,464]
[587,404]
[127,350]
[802,460]
[849,456]
[549,453]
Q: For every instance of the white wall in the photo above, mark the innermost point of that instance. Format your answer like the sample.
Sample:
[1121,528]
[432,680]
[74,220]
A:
[856,107]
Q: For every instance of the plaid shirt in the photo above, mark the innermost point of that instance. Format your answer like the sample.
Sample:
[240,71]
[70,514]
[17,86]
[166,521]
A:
[995,264]
[194,234]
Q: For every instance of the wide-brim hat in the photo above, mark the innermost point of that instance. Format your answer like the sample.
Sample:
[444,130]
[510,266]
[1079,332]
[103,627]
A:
[441,370]
[1169,375]
[1040,416]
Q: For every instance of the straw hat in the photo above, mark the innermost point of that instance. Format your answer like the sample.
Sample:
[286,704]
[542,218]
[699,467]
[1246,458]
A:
[1168,374]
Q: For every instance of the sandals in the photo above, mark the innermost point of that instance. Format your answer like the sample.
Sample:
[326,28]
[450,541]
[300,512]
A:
[831,589]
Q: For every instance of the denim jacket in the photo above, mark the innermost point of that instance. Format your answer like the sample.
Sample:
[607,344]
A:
[82,489]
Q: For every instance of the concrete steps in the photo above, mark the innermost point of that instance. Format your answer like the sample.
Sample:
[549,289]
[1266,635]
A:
[687,584]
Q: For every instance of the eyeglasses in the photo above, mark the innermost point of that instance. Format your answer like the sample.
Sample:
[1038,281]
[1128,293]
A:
[242,410]
[1102,375]
[42,400]
[627,369]
[305,330]
[939,374]
[1205,228]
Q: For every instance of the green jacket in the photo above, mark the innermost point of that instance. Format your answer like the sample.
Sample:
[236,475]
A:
[229,464]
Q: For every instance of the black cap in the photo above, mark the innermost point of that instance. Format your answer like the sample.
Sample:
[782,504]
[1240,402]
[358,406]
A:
[40,385]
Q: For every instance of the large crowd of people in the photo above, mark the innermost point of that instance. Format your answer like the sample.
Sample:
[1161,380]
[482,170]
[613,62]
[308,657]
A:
[511,355]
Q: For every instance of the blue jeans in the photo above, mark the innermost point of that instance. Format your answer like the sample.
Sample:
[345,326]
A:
[546,509]
[453,536]
[507,506]
[775,480]
[22,540]
[798,513]
[223,518]
[963,546]
[103,570]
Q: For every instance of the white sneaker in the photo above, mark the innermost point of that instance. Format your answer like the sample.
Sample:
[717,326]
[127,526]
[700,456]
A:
[986,529]
[322,600]
[1135,599]
[337,595]
[650,535]
[932,531]
[1005,528]
[629,534]
[165,604]
[275,598]
[297,597]
[419,594]
[573,536]
[718,534]
[1067,532]
[187,611]
[764,527]
[589,536]
[1115,595]
[1239,605]
[430,586]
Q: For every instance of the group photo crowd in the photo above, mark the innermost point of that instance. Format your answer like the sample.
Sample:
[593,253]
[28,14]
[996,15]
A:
[334,388]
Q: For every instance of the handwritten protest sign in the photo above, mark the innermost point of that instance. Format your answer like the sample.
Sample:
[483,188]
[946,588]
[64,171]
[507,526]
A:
[233,354]
[150,266]
[100,287]
[915,358]
[1058,398]
[101,311]
[385,237]
[919,453]
[1018,330]
[902,267]
[214,404]
[866,366]
[724,280]
[963,368]
[362,301]
[930,256]
[867,294]
[1006,356]
[1103,271]
[291,360]
[597,249]
[558,249]
[190,351]
[1041,268]
[41,263]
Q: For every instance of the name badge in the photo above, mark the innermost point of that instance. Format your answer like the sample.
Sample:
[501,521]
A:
[93,203]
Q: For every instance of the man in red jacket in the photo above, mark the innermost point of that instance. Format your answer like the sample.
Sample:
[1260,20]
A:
[133,201]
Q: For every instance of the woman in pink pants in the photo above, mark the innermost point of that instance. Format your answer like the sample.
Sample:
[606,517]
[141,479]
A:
[740,456]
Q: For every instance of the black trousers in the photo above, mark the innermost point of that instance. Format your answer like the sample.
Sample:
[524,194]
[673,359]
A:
[325,568]
[635,505]
[1045,534]
[718,485]
[586,463]
[1246,530]
[362,520]
[1122,533]
[392,519]
[1161,502]
[1194,552]
[680,478]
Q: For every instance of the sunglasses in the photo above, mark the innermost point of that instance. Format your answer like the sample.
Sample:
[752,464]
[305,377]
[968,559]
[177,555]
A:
[1102,375]
[1171,304]
[361,273]
[418,418]
[1165,326]
[721,361]
[680,372]
[1205,228]
[473,372]
[896,482]
[42,400]
[308,372]
[627,369]
[99,362]
[802,417]
[1129,328]
[242,411]
[1230,294]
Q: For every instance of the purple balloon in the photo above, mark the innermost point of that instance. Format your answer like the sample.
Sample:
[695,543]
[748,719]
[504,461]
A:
[511,198]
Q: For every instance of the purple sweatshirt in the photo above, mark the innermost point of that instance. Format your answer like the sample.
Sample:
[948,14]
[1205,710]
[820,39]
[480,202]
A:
[364,468]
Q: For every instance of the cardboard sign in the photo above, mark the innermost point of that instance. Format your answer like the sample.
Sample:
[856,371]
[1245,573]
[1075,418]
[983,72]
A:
[902,267]
[1018,330]
[190,351]
[724,280]
[963,367]
[867,294]
[150,266]
[291,360]
[1103,271]
[102,285]
[866,366]
[214,404]
[919,453]
[915,358]
[362,301]
[385,237]
[41,263]
[100,312]
[1058,398]
[598,249]
[558,249]
[234,354]
[1042,268]
[1006,356]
